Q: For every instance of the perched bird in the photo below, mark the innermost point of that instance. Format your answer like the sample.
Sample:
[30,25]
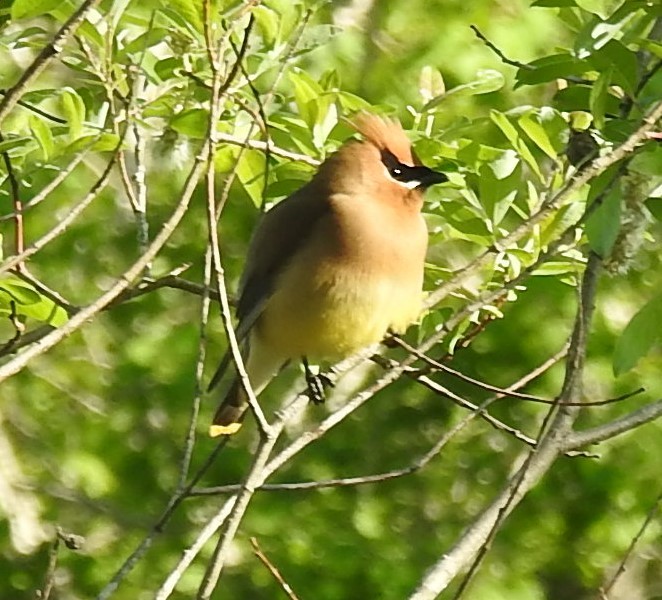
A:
[335,266]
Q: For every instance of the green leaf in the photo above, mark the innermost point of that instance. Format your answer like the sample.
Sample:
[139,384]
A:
[145,40]
[558,267]
[598,97]
[648,160]
[250,172]
[29,302]
[603,225]
[638,337]
[306,91]
[603,8]
[550,68]
[430,83]
[73,108]
[516,141]
[554,3]
[326,119]
[43,135]
[488,80]
[531,125]
[16,142]
[20,292]
[497,186]
[26,9]
[188,11]
[192,123]
[577,98]
[623,63]
[315,36]
[268,22]
[104,142]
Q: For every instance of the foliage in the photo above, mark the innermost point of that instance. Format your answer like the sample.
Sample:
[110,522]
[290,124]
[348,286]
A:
[98,157]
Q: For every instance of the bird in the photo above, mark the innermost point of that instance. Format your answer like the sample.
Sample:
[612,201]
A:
[334,267]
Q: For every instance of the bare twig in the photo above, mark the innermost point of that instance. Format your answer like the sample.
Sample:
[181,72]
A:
[37,111]
[62,226]
[437,365]
[19,240]
[498,52]
[49,579]
[47,189]
[123,282]
[44,290]
[189,442]
[592,170]
[273,570]
[652,513]
[275,150]
[13,95]
[218,89]
[473,544]
[157,529]
[515,63]
[607,431]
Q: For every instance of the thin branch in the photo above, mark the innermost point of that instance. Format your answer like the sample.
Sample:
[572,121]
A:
[226,315]
[49,579]
[264,146]
[212,526]
[473,544]
[13,95]
[47,189]
[439,366]
[504,59]
[62,226]
[144,287]
[253,480]
[158,527]
[37,111]
[592,170]
[601,433]
[273,570]
[123,282]
[44,290]
[652,513]
[268,435]
[515,63]
[189,442]
[19,240]
[171,280]
[411,468]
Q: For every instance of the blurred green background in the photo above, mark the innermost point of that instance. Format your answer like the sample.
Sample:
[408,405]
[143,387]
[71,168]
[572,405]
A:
[92,432]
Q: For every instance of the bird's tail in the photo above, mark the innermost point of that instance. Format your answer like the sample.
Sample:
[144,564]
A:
[261,365]
[231,412]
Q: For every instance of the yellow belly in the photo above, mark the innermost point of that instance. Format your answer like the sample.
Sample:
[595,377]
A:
[333,317]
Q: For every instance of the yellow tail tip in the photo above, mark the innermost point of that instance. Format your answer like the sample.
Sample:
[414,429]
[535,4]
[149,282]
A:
[216,430]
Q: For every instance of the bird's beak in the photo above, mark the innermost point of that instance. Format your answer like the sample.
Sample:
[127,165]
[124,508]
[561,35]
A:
[428,177]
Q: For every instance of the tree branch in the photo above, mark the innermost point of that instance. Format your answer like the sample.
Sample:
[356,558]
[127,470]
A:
[13,95]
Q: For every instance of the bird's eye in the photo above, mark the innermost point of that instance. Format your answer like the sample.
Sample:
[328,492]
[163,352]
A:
[396,172]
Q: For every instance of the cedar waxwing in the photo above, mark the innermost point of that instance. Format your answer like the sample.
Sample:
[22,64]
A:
[335,266]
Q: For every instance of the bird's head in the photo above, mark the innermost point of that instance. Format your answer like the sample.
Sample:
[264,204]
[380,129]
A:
[382,162]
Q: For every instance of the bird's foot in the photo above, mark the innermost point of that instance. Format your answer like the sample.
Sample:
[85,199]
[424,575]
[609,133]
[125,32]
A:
[318,383]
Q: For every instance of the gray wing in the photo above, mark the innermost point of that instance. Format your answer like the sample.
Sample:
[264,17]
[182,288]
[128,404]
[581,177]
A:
[278,237]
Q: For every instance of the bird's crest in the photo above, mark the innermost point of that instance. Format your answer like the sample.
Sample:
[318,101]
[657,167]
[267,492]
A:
[386,135]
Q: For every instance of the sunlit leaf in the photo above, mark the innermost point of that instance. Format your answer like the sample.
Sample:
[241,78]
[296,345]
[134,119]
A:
[193,123]
[26,9]
[430,83]
[487,80]
[43,135]
[73,108]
